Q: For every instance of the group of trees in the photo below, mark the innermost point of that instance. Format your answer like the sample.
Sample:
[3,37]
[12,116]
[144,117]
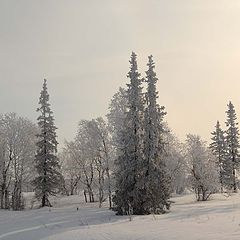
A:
[225,146]
[129,159]
[89,161]
[126,155]
[28,158]
[142,183]
[17,149]
[213,168]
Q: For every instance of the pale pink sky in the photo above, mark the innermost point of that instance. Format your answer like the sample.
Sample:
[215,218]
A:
[83,48]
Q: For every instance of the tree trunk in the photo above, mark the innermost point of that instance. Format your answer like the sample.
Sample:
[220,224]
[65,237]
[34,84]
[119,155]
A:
[108,175]
[2,196]
[90,193]
[3,192]
[85,196]
[234,181]
[44,200]
[91,196]
[109,189]
[6,199]
[17,203]
[100,190]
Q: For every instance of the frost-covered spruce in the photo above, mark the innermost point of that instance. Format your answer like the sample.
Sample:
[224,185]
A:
[47,165]
[156,180]
[128,197]
[219,149]
[231,165]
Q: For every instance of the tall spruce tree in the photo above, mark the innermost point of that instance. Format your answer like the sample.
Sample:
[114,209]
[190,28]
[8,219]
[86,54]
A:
[231,165]
[156,180]
[219,149]
[47,165]
[128,195]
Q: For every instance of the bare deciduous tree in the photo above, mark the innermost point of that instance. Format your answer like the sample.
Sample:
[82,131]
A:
[17,153]
[203,173]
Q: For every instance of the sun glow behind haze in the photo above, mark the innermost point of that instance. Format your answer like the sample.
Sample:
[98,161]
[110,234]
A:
[83,48]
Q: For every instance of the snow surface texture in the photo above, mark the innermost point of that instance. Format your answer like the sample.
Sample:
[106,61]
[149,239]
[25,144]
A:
[217,219]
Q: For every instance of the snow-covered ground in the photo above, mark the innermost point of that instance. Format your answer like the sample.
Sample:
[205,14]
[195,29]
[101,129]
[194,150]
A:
[218,219]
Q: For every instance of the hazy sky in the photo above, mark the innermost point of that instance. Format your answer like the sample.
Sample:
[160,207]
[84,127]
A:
[82,47]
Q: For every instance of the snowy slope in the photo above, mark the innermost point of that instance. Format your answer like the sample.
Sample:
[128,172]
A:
[215,219]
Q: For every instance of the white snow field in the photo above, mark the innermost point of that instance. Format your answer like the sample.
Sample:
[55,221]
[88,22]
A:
[217,219]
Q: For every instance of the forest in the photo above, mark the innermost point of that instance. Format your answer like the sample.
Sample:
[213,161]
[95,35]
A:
[129,158]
